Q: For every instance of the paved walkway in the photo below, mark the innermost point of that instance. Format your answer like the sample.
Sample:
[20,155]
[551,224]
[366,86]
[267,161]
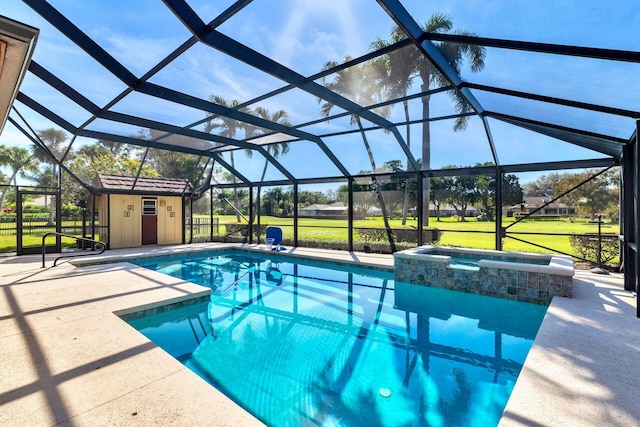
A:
[67,359]
[583,368]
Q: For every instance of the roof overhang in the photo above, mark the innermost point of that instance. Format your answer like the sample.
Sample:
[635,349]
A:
[17,42]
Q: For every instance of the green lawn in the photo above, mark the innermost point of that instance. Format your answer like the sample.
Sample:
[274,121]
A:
[8,241]
[455,233]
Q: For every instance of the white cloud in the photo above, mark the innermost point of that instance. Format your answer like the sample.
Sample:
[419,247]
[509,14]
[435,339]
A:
[140,54]
[316,32]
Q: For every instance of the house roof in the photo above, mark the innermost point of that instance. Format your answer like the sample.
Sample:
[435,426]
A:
[111,183]
[537,201]
[337,206]
[17,44]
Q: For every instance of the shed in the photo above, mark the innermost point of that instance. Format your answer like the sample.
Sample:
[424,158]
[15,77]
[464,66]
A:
[135,211]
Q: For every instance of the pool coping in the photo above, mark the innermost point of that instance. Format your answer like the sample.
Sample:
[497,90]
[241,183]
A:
[362,264]
[561,265]
[581,369]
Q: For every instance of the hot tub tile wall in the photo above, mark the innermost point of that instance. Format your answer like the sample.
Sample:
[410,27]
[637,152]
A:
[527,286]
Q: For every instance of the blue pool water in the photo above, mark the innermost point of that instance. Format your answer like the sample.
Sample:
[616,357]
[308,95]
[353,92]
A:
[471,262]
[312,344]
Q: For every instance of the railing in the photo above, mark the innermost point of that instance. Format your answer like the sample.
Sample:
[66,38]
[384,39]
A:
[84,239]
[35,224]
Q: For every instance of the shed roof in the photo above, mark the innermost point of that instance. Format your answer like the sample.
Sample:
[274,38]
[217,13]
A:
[111,183]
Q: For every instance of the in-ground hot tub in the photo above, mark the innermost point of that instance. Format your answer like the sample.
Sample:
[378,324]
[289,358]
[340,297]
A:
[520,276]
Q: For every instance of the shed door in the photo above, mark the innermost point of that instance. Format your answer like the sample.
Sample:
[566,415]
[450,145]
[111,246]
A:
[149,221]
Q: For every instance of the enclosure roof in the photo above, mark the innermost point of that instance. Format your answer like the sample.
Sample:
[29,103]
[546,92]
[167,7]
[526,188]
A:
[301,92]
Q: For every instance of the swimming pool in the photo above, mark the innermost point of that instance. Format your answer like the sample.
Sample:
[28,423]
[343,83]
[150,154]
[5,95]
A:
[299,343]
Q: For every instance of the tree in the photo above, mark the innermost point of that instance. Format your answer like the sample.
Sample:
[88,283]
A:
[399,71]
[89,160]
[21,163]
[593,195]
[461,192]
[393,188]
[225,206]
[277,202]
[512,193]
[93,150]
[486,185]
[439,189]
[413,62]
[228,127]
[172,164]
[43,178]
[116,148]
[342,194]
[53,139]
[306,198]
[543,185]
[361,84]
[364,199]
[275,149]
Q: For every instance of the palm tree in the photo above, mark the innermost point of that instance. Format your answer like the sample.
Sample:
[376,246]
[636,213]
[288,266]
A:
[399,70]
[228,127]
[42,178]
[115,148]
[361,84]
[275,149]
[93,150]
[21,163]
[414,63]
[53,139]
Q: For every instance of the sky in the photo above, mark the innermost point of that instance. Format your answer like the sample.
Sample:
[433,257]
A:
[304,35]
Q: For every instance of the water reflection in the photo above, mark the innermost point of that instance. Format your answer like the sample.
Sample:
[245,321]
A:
[301,344]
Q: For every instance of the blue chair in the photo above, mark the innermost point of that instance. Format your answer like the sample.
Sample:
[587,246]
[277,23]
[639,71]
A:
[273,237]
[274,275]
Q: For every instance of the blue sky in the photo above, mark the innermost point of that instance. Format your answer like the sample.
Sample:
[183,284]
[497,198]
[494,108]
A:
[304,35]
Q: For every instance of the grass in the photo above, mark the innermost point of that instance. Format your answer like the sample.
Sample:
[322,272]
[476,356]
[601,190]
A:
[8,242]
[455,233]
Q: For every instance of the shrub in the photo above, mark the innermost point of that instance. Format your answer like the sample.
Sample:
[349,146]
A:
[71,211]
[586,246]
[430,236]
[372,234]
[35,209]
[539,217]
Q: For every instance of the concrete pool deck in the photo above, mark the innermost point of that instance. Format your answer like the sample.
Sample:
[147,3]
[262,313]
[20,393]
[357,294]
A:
[67,359]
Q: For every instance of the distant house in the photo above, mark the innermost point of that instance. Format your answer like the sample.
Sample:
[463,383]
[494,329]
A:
[531,203]
[318,209]
[450,211]
[337,209]
[446,211]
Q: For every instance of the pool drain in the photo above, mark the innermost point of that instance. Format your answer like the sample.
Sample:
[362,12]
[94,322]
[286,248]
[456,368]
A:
[384,392]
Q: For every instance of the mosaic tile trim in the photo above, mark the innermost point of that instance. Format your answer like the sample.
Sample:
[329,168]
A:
[162,308]
[534,287]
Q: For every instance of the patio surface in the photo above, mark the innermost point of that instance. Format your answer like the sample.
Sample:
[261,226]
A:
[68,360]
